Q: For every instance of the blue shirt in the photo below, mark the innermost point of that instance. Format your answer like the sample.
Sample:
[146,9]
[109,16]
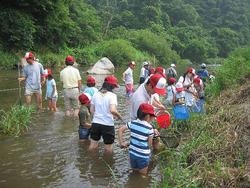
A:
[203,74]
[140,132]
[90,90]
[50,84]
[33,73]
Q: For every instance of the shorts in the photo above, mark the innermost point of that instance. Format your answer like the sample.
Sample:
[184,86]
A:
[138,162]
[71,98]
[54,99]
[30,92]
[107,133]
[83,133]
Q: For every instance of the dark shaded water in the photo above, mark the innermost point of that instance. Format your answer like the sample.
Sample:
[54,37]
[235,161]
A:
[50,154]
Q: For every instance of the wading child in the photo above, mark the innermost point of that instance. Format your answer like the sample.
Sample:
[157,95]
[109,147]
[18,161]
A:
[84,116]
[127,77]
[104,109]
[51,93]
[141,138]
[90,89]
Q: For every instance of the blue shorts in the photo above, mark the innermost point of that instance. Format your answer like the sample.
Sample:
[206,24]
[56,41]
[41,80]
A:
[83,133]
[138,162]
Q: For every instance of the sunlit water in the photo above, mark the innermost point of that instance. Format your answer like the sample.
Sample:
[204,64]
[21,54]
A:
[50,154]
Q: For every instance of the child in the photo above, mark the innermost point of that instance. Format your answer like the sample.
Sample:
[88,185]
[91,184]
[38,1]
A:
[179,95]
[51,93]
[198,84]
[90,89]
[141,138]
[128,78]
[84,116]
[170,91]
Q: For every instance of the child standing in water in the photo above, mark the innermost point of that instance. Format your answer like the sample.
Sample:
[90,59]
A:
[141,138]
[84,116]
[91,89]
[51,93]
[127,77]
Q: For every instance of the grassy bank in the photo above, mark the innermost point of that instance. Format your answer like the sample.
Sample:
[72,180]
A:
[16,120]
[215,149]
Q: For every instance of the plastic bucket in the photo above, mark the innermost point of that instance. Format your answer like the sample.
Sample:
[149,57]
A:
[163,120]
[181,112]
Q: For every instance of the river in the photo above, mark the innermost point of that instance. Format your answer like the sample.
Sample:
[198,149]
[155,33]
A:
[50,154]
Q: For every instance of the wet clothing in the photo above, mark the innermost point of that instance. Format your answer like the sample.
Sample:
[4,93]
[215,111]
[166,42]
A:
[140,96]
[33,73]
[105,131]
[140,131]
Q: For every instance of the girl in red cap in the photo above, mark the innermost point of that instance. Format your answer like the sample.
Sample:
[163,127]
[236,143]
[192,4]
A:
[141,138]
[104,109]
[127,77]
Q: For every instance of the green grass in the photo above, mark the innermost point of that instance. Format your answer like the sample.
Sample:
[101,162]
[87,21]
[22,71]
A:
[15,121]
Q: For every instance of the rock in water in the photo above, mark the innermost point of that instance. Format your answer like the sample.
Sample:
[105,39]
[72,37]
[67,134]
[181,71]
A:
[103,66]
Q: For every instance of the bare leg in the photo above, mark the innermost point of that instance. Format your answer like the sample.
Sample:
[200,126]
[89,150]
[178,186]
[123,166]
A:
[93,145]
[28,99]
[38,100]
[50,104]
[108,148]
[53,106]
[76,112]
[143,171]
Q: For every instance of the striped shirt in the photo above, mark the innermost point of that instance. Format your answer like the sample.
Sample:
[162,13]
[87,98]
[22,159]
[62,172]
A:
[140,131]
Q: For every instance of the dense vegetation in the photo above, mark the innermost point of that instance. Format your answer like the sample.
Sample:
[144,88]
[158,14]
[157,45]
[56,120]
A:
[164,31]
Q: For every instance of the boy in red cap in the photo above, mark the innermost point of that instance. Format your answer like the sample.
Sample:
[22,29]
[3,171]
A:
[90,89]
[104,109]
[141,138]
[127,77]
[84,116]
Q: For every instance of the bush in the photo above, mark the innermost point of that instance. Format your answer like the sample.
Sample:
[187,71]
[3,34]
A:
[7,60]
[16,120]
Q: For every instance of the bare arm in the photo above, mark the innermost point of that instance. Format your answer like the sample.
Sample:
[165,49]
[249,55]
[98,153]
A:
[121,130]
[114,111]
[79,84]
[150,141]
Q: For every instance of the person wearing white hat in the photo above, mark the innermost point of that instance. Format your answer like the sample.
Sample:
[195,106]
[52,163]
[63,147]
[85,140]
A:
[144,72]
[128,78]
[171,72]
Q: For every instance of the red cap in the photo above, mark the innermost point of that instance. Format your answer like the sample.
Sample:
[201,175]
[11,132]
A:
[112,80]
[179,87]
[49,71]
[84,98]
[29,55]
[191,70]
[171,80]
[147,109]
[158,82]
[69,59]
[161,71]
[197,80]
[91,80]
[152,70]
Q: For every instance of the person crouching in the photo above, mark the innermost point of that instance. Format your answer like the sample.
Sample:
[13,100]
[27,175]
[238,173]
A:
[84,116]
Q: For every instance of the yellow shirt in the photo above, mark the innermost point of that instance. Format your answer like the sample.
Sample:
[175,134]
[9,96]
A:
[70,77]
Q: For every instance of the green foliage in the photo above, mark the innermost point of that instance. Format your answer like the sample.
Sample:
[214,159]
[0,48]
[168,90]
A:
[8,60]
[232,73]
[17,29]
[15,121]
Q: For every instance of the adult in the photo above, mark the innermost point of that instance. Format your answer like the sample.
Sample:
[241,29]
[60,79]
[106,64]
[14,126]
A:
[104,109]
[144,72]
[203,73]
[71,79]
[155,84]
[128,78]
[171,71]
[33,75]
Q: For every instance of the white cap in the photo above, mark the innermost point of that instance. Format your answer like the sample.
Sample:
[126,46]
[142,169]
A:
[173,65]
[145,63]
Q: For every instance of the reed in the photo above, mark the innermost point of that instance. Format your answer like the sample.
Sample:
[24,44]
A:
[16,120]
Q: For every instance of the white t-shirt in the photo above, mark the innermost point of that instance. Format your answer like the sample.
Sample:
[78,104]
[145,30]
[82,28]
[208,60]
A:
[170,94]
[140,96]
[129,76]
[101,102]
[189,97]
[144,73]
[70,77]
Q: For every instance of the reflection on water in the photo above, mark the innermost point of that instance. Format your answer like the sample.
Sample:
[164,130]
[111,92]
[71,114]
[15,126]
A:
[51,155]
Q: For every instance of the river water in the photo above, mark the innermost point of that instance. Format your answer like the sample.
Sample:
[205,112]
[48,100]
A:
[50,154]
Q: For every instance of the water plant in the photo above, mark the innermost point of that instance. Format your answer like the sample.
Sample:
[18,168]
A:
[16,120]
